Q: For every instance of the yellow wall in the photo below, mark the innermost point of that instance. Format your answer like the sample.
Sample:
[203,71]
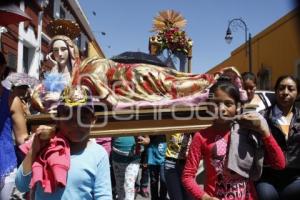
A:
[94,50]
[277,49]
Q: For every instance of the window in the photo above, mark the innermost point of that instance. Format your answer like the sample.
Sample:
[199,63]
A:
[62,13]
[84,51]
[28,54]
[45,42]
[78,41]
[86,48]
[12,60]
[25,59]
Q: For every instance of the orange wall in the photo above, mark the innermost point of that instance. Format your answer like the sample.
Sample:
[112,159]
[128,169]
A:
[277,48]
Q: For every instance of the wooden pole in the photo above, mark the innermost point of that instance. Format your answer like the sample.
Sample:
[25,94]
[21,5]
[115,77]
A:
[139,122]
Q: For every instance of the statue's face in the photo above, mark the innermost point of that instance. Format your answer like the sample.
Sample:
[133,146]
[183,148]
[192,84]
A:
[60,52]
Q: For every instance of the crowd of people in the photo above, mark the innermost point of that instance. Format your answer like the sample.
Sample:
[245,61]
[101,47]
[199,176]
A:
[253,155]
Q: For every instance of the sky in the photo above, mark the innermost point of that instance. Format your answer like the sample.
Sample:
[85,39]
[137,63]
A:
[128,24]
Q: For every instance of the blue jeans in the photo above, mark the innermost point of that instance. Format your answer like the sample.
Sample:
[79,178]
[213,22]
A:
[144,180]
[157,177]
[267,191]
[173,172]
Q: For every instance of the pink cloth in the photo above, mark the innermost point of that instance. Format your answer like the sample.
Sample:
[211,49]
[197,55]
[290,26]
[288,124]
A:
[51,166]
[105,142]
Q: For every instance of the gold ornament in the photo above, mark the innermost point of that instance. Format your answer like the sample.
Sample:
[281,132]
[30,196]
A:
[168,18]
[63,27]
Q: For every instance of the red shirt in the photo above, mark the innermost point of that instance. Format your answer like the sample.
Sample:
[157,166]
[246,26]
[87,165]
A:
[221,182]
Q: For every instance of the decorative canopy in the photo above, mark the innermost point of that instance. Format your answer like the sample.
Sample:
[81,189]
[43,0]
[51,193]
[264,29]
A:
[168,26]
[168,19]
[63,27]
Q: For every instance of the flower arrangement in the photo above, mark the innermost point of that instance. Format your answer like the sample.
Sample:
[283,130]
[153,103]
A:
[174,39]
[170,34]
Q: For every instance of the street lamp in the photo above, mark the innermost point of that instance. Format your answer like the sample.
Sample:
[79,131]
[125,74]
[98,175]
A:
[239,23]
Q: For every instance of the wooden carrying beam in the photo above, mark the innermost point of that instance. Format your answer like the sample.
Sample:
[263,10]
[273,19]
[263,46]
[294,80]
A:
[140,122]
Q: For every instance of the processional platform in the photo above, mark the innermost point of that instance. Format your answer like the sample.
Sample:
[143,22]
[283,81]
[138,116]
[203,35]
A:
[139,122]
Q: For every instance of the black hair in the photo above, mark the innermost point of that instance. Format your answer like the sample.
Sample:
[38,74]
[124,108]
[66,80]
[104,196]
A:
[281,78]
[2,59]
[224,84]
[249,76]
[24,87]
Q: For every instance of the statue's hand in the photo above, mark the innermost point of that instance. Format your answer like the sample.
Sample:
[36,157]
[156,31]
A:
[52,96]
[50,60]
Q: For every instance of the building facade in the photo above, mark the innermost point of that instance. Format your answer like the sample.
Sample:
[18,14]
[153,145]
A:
[26,44]
[275,52]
